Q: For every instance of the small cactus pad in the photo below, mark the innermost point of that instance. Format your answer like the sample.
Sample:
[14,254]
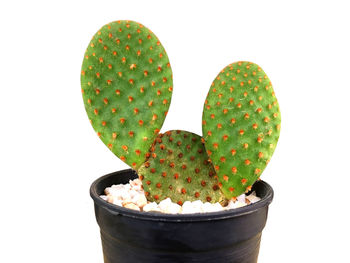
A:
[126,83]
[178,168]
[241,126]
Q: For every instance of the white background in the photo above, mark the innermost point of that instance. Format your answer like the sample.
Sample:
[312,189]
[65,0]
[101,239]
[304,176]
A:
[50,154]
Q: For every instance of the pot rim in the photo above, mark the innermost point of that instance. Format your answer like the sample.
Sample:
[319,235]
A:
[194,217]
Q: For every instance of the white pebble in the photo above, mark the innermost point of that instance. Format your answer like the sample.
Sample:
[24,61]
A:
[118,186]
[235,204]
[169,210]
[141,200]
[125,196]
[241,198]
[174,209]
[136,184]
[151,207]
[138,188]
[115,201]
[230,205]
[217,207]
[132,206]
[118,202]
[166,206]
[253,198]
[240,204]
[108,191]
[208,207]
[163,205]
[110,198]
[189,208]
[197,205]
[133,193]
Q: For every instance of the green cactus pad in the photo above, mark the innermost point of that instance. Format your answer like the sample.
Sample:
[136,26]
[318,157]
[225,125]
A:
[178,168]
[126,83]
[241,126]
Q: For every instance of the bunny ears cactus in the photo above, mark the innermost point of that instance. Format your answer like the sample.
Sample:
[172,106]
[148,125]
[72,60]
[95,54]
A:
[241,125]
[126,82]
[179,168]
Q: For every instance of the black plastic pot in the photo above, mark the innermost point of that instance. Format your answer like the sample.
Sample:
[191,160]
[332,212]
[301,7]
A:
[133,236]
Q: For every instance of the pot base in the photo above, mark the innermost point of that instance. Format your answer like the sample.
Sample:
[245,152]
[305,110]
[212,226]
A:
[244,252]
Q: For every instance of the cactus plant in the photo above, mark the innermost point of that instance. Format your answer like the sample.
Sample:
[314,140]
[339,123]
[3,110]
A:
[178,168]
[126,82]
[241,126]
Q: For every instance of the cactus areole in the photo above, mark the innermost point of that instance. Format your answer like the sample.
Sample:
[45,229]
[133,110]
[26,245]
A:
[126,82]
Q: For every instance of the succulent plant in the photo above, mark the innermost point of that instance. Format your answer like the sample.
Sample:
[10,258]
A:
[178,168]
[241,126]
[126,82]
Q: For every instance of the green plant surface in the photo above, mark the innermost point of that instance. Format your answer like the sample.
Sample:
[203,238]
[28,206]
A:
[126,82]
[241,125]
[178,168]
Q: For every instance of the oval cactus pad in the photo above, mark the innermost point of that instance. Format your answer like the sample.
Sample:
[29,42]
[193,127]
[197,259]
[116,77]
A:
[241,126]
[178,168]
[126,82]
